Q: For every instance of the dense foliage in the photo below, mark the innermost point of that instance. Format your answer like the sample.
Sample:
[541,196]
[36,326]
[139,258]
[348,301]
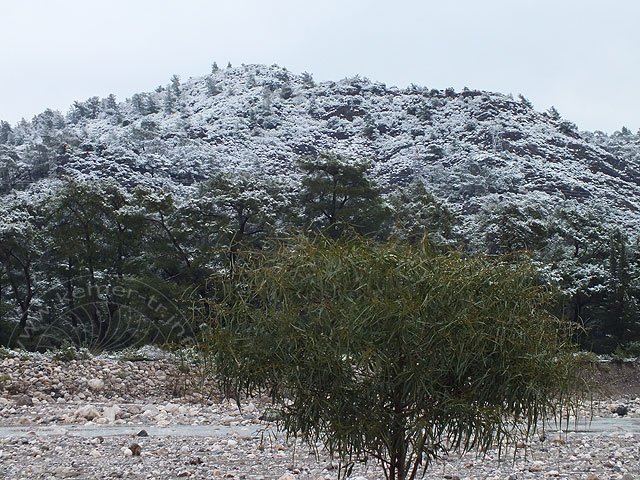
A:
[165,188]
[391,352]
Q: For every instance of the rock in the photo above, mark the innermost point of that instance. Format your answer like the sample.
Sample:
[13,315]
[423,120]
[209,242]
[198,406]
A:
[195,461]
[95,384]
[622,410]
[553,473]
[111,413]
[88,412]
[287,476]
[142,433]
[66,472]
[592,476]
[150,411]
[127,452]
[536,466]
[24,400]
[136,449]
[184,473]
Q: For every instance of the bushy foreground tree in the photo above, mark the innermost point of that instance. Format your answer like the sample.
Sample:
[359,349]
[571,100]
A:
[387,351]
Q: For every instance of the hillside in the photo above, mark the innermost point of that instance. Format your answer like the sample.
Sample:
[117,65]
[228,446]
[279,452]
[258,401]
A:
[469,147]
[512,178]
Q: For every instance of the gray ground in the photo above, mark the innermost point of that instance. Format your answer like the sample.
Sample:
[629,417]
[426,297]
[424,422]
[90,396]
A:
[81,420]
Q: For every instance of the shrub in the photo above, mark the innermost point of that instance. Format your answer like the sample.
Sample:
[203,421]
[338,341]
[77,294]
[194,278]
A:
[392,353]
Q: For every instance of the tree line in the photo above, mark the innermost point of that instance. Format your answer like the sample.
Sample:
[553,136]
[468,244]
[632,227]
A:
[112,265]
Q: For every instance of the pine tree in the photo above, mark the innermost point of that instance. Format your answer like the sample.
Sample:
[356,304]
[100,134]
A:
[337,195]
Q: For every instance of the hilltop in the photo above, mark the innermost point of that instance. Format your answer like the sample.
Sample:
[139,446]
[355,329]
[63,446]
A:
[469,147]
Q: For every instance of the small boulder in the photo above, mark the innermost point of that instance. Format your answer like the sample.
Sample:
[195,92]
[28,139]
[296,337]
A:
[95,384]
[24,400]
[88,412]
[622,410]
[111,413]
[150,411]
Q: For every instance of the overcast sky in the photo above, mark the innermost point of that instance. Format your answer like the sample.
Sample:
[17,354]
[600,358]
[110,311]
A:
[583,57]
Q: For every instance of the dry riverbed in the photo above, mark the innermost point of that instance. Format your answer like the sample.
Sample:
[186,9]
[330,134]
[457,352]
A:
[108,418]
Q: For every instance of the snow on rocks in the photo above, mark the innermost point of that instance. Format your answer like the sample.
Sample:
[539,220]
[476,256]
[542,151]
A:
[133,395]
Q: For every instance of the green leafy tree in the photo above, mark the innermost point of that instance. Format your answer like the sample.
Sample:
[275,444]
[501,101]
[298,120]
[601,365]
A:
[508,225]
[79,222]
[20,249]
[620,304]
[385,351]
[416,213]
[244,208]
[338,195]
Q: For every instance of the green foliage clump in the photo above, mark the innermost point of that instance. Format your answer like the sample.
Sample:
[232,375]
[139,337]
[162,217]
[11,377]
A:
[390,352]
[68,353]
[627,350]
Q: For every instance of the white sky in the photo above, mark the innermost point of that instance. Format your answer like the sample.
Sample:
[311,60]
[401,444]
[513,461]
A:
[581,56]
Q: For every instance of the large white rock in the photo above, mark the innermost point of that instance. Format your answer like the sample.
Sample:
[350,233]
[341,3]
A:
[88,412]
[111,413]
[150,411]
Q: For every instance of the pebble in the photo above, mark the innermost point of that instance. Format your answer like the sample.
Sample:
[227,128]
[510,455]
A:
[142,395]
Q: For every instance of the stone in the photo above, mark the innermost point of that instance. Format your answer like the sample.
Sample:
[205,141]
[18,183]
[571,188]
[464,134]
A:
[184,473]
[88,412]
[111,413]
[536,466]
[622,410]
[95,384]
[24,401]
[150,411]
[287,476]
[142,433]
[136,449]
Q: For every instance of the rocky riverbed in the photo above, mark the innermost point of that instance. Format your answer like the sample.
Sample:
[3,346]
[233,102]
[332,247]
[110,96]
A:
[140,418]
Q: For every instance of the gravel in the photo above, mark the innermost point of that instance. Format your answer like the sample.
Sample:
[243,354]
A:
[85,419]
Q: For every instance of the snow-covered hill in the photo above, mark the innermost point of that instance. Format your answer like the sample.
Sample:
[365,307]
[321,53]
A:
[471,148]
